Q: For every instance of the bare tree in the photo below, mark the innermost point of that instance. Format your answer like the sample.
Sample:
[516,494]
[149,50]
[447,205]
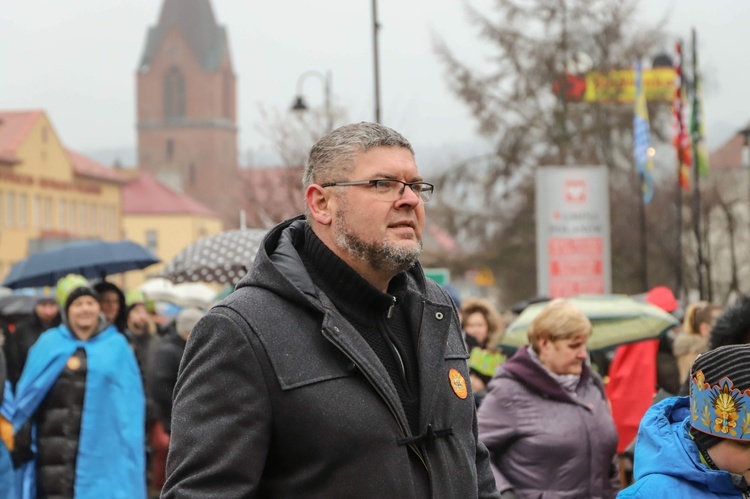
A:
[532,45]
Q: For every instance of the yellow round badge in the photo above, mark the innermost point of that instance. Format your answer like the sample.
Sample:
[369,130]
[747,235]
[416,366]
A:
[74,363]
[458,383]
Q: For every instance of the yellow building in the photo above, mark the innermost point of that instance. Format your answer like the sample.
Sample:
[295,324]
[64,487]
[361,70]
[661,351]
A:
[48,194]
[163,221]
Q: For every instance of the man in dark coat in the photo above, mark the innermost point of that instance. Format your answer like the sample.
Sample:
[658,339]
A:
[335,369]
[46,315]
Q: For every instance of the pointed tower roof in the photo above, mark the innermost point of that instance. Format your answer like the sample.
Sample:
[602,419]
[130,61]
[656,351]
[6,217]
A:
[196,22]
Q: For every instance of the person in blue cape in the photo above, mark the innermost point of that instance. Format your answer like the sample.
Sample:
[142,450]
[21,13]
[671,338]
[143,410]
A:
[699,446]
[77,415]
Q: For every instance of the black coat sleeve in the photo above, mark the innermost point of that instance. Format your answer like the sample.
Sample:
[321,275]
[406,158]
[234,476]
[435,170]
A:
[162,378]
[221,417]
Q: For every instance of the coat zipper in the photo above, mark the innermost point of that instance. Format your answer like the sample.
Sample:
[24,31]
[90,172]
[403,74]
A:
[390,407]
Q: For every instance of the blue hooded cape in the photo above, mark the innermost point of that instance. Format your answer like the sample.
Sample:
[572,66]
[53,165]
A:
[667,461]
[111,448]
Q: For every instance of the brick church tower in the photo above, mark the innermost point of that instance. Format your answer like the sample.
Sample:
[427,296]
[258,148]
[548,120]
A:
[186,95]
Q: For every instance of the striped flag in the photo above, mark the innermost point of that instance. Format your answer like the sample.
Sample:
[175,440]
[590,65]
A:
[697,134]
[643,152]
[681,137]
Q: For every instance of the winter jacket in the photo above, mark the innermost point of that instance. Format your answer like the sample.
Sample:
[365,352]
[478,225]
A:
[279,396]
[686,348]
[22,339]
[85,401]
[163,375]
[668,463]
[545,442]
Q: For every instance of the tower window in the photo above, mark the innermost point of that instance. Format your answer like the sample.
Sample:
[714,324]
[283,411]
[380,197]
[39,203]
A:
[170,150]
[174,94]
[191,173]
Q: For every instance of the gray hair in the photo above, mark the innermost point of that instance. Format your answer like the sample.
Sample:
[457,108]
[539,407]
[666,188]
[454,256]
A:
[335,151]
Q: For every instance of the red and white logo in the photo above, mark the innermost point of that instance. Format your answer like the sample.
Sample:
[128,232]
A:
[575,191]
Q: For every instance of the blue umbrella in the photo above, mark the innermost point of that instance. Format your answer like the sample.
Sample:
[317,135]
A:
[91,259]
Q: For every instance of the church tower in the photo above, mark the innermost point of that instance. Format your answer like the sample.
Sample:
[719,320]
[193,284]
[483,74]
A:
[186,98]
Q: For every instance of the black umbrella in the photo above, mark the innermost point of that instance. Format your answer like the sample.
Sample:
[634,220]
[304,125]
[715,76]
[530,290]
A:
[223,258]
[17,304]
[91,259]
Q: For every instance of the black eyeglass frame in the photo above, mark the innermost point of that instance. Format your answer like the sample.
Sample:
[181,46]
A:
[429,190]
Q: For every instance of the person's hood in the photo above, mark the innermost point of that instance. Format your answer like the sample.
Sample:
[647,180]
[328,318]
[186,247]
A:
[523,368]
[103,324]
[279,268]
[664,447]
[689,343]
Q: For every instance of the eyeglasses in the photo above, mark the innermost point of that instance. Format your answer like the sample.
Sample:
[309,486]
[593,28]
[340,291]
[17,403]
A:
[389,189]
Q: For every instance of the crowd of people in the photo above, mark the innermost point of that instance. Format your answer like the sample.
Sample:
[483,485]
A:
[337,369]
[86,404]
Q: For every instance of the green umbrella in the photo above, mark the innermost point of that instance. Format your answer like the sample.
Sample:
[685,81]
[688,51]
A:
[616,320]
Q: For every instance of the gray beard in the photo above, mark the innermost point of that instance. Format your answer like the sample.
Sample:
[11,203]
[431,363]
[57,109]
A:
[383,256]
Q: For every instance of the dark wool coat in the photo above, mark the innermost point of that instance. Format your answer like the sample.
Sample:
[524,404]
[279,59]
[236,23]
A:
[279,396]
[545,442]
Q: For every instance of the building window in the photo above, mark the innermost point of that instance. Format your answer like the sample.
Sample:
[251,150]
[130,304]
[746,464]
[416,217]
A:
[92,219]
[83,219]
[152,240]
[47,213]
[10,211]
[22,210]
[174,94]
[62,214]
[170,150]
[36,212]
[191,173]
[227,96]
[73,216]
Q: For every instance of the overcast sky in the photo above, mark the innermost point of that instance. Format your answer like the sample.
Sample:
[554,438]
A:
[76,59]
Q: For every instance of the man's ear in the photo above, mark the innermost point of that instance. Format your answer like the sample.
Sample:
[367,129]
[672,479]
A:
[318,201]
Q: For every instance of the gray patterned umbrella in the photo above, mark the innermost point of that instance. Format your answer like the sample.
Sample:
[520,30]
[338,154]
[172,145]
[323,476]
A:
[223,258]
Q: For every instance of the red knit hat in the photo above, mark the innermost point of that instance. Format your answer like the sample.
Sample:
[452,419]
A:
[662,297]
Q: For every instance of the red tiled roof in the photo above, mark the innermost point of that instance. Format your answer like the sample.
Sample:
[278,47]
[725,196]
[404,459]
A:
[147,196]
[729,154]
[14,127]
[83,166]
[270,195]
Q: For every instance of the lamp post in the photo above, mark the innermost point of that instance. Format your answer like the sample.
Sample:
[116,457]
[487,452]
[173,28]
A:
[299,101]
[376,59]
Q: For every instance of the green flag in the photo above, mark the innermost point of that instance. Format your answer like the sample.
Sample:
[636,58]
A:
[697,134]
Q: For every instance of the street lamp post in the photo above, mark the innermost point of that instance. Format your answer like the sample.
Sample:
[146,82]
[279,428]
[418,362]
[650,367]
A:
[376,59]
[299,101]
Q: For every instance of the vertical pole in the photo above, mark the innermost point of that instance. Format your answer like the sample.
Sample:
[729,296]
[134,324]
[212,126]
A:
[376,59]
[696,182]
[329,112]
[644,242]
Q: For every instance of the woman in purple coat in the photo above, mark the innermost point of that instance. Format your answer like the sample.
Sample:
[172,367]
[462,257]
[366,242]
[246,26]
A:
[546,420]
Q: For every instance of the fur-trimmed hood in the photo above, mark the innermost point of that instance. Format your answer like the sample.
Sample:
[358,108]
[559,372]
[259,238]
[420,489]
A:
[685,343]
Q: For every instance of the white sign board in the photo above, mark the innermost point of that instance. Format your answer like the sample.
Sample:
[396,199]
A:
[572,231]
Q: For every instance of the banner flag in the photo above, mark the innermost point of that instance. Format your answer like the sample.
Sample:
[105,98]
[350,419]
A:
[643,152]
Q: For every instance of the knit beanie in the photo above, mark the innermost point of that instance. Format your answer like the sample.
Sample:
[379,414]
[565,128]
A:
[67,284]
[720,396]
[77,293]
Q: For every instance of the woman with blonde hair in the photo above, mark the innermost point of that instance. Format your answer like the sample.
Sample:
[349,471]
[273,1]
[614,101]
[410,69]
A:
[693,340]
[546,420]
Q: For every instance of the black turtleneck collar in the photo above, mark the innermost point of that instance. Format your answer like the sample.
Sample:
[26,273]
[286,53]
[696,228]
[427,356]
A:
[342,283]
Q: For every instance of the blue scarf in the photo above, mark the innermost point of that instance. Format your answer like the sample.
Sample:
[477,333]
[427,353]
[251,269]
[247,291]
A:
[111,452]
